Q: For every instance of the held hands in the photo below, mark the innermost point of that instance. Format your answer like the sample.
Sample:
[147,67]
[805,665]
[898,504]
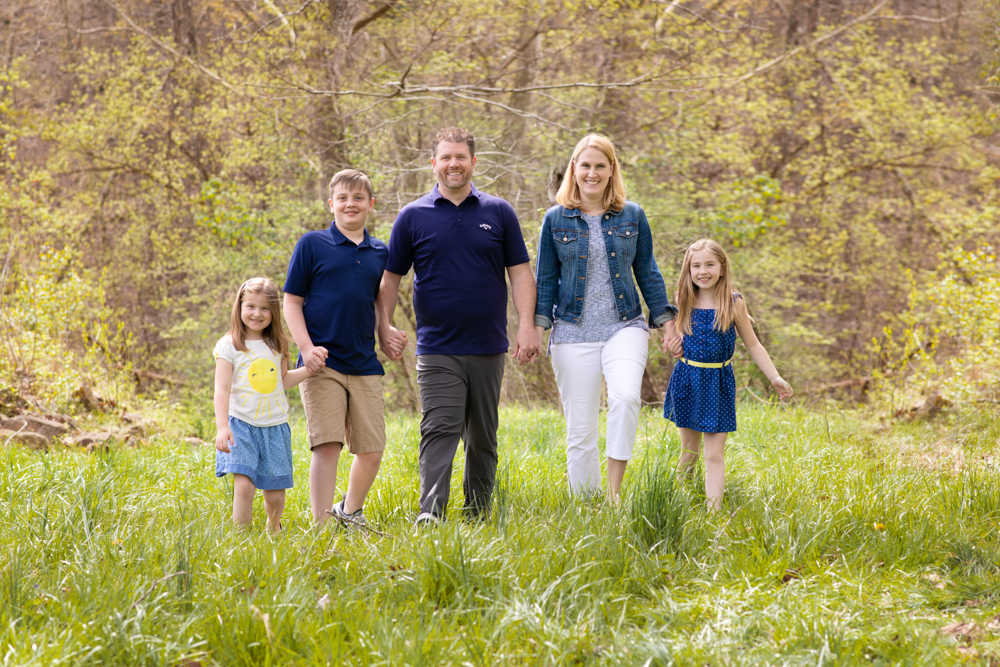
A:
[224,440]
[315,358]
[392,342]
[527,344]
[674,345]
[783,388]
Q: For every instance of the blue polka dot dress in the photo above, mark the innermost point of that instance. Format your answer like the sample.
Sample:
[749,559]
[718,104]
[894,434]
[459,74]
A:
[704,399]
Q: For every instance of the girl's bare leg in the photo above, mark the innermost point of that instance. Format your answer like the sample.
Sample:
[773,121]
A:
[690,449]
[243,492]
[274,505]
[715,469]
[323,479]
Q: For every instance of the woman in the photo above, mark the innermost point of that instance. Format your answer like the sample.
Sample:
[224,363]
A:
[595,247]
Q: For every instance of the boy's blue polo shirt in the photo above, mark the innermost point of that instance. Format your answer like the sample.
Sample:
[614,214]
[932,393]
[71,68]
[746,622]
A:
[459,255]
[339,281]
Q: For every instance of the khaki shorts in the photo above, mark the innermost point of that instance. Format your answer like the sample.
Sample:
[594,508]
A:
[344,408]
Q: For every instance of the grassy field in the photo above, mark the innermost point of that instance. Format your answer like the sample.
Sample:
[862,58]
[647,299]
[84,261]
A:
[841,543]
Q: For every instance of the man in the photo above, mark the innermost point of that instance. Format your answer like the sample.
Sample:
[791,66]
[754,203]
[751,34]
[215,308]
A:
[459,242]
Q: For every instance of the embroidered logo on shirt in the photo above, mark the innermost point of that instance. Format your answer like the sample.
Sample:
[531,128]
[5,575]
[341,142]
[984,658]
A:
[485,226]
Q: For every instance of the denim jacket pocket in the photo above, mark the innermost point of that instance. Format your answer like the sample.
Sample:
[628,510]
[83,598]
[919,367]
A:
[626,236]
[566,240]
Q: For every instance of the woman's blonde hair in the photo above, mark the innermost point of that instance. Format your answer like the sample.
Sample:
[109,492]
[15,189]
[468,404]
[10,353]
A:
[614,194]
[687,291]
[274,334]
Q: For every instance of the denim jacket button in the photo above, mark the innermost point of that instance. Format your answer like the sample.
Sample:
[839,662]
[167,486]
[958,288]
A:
[565,238]
[621,296]
[612,254]
[609,233]
[627,232]
[616,275]
[624,318]
[606,217]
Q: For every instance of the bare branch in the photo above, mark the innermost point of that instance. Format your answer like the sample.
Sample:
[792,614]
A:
[675,4]
[819,40]
[284,20]
[516,112]
[280,17]
[166,47]
[914,17]
[363,23]
[89,31]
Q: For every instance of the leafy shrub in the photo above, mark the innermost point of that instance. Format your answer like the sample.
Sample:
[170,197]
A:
[58,333]
[949,339]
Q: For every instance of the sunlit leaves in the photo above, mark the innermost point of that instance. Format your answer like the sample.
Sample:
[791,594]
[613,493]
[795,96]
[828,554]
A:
[949,340]
[747,208]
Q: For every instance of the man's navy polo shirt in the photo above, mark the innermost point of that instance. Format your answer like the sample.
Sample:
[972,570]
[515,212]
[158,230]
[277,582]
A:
[339,281]
[459,255]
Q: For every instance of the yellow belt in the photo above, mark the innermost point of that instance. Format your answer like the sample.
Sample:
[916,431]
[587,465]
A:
[701,364]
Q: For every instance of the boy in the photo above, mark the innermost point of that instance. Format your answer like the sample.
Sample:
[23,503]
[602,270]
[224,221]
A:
[333,281]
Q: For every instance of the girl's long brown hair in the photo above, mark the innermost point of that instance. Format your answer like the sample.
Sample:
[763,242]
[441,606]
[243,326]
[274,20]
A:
[274,334]
[687,291]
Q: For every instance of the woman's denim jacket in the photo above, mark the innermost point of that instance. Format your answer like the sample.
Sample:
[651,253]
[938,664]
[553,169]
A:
[561,267]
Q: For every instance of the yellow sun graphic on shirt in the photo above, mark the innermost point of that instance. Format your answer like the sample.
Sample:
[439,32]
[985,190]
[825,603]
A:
[262,376]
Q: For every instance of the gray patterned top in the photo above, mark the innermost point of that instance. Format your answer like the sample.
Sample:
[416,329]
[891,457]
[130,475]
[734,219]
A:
[599,319]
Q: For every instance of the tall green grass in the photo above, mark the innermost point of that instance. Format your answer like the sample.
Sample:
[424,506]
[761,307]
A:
[842,542]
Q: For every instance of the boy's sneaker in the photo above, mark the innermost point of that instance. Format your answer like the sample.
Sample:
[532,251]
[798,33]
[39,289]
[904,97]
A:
[353,519]
[426,519]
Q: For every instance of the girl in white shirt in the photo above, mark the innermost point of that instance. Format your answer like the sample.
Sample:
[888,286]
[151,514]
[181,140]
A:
[254,442]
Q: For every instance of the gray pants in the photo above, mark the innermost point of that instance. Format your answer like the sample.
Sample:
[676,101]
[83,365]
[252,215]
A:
[459,396]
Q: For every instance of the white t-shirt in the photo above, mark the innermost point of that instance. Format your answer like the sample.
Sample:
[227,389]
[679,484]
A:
[257,396]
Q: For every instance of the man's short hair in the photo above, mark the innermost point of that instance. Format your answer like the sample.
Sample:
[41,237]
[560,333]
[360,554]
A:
[352,180]
[456,136]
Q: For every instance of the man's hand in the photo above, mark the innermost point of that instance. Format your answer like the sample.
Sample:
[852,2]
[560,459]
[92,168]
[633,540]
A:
[526,344]
[392,342]
[314,358]
[522,287]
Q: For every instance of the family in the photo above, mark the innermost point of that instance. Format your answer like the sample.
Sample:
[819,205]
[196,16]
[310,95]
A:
[595,255]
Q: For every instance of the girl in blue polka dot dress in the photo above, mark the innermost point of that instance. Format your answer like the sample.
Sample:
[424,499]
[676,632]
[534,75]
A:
[701,396]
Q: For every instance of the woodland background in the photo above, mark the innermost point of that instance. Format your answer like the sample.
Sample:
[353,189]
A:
[153,155]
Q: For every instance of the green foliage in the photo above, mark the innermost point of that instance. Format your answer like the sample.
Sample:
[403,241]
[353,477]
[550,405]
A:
[747,209]
[188,152]
[949,339]
[57,333]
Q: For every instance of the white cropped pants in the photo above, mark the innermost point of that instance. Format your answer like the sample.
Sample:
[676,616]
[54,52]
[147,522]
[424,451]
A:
[578,369]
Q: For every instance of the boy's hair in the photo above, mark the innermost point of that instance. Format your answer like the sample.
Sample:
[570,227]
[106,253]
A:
[724,295]
[454,135]
[352,180]
[274,334]
[614,194]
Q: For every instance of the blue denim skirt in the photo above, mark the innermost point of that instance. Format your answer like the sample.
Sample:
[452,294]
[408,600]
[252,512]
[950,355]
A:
[262,453]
